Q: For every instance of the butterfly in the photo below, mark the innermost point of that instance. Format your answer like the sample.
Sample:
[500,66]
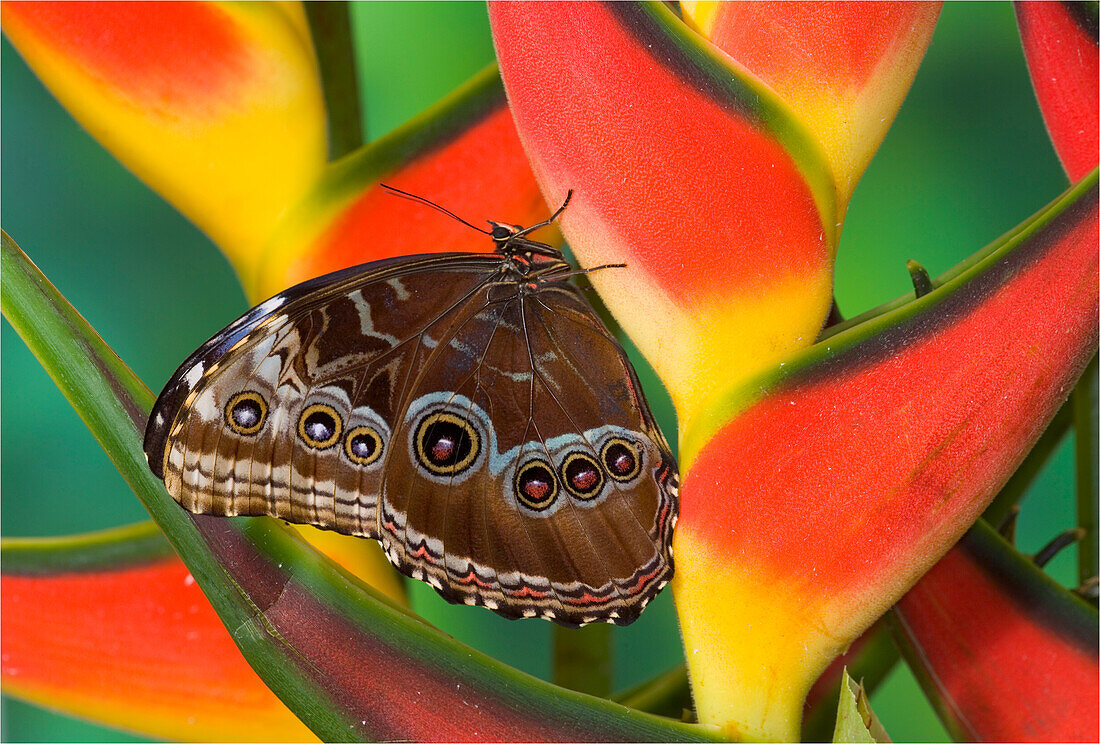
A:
[467,410]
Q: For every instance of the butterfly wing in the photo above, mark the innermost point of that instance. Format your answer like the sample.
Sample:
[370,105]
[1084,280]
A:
[288,410]
[529,474]
[489,431]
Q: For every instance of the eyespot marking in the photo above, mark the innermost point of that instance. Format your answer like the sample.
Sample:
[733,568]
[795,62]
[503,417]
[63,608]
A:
[535,485]
[582,476]
[622,459]
[319,426]
[446,443]
[363,445]
[246,412]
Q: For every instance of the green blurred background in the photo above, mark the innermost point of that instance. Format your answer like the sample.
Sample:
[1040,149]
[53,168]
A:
[967,159]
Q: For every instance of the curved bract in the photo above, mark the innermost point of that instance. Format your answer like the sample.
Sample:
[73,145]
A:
[217,106]
[1002,651]
[843,68]
[670,149]
[816,495]
[172,671]
[1060,40]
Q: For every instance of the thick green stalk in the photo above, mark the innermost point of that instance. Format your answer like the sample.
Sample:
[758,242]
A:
[583,659]
[1084,402]
[1014,490]
[330,26]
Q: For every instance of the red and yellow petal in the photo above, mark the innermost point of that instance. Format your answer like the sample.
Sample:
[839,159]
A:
[815,496]
[133,645]
[1062,56]
[218,107]
[1003,652]
[844,68]
[463,154]
[686,169]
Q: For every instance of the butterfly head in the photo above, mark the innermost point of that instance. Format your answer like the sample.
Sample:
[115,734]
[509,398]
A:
[512,241]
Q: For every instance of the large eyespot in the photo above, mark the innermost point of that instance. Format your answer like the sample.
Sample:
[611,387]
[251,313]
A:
[582,475]
[622,459]
[319,426]
[536,486]
[446,444]
[245,412]
[363,445]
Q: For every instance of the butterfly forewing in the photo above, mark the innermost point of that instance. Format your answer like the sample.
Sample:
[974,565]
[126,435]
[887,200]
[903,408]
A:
[318,344]
[485,428]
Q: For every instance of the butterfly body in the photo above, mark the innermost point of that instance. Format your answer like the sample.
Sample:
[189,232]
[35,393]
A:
[469,411]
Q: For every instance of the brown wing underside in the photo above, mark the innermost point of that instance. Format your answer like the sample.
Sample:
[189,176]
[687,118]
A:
[525,375]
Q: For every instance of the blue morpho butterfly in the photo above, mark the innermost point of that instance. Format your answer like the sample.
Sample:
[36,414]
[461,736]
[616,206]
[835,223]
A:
[468,410]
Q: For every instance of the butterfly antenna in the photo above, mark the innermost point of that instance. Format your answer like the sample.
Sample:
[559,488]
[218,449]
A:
[586,272]
[435,206]
[550,220]
[600,268]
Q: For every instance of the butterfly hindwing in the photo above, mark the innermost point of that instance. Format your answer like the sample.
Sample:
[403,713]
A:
[499,493]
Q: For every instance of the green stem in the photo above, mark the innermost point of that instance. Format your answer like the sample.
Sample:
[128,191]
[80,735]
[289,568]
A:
[1017,485]
[582,659]
[1084,402]
[330,26]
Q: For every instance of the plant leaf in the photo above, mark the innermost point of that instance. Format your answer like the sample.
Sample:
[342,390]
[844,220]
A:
[1003,652]
[1060,42]
[870,658]
[844,68]
[347,662]
[685,168]
[217,107]
[111,626]
[855,721]
[463,154]
[819,493]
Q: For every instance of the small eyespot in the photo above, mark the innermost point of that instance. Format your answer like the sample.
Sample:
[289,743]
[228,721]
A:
[582,475]
[363,445]
[319,426]
[622,459]
[446,444]
[536,487]
[245,412]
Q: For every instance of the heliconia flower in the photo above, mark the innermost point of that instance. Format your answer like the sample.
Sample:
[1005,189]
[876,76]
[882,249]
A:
[818,491]
[217,106]
[1060,40]
[1003,652]
[821,473]
[844,68]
